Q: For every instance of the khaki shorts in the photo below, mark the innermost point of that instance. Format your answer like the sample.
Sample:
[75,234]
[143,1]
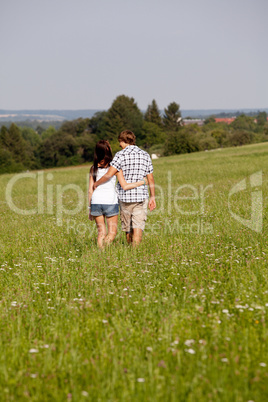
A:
[133,215]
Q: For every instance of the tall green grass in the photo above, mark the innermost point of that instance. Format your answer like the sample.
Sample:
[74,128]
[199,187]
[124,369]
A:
[181,318]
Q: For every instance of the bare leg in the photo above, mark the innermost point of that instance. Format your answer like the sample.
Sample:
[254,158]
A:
[137,236]
[129,236]
[112,229]
[100,222]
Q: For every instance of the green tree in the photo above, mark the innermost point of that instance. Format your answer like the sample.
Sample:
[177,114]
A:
[183,141]
[219,135]
[48,133]
[240,137]
[243,122]
[12,140]
[209,120]
[40,129]
[172,117]
[58,150]
[5,139]
[75,127]
[151,134]
[152,114]
[207,142]
[7,163]
[86,145]
[97,123]
[124,114]
[31,136]
[261,118]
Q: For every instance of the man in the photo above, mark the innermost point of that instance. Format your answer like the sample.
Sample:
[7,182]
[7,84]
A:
[135,164]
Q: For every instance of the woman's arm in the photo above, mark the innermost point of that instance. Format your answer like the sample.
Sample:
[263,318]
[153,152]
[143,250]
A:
[90,192]
[129,186]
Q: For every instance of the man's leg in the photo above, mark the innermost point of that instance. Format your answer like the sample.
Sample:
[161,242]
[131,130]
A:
[129,236]
[139,216]
[137,236]
[126,224]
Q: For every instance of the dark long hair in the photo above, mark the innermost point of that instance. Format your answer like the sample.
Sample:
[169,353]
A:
[102,156]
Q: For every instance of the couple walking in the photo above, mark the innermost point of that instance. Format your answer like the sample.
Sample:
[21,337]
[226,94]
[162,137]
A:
[134,170]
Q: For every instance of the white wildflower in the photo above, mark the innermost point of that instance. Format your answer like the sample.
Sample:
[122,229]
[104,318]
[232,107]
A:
[33,350]
[191,351]
[263,364]
[140,379]
[189,342]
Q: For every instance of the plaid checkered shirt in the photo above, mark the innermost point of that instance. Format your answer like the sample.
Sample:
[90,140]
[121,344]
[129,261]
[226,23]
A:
[135,164]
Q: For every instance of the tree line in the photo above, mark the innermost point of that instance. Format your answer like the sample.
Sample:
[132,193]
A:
[73,143]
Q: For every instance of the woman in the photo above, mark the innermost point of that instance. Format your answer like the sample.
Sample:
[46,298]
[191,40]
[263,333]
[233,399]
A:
[103,202]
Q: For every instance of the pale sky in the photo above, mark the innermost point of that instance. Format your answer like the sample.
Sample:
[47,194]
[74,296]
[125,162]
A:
[81,54]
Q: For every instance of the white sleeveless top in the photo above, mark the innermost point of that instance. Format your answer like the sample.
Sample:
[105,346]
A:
[105,193]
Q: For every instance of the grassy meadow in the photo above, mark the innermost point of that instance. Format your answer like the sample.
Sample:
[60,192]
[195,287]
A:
[181,318]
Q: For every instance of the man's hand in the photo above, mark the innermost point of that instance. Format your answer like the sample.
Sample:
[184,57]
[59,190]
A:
[152,204]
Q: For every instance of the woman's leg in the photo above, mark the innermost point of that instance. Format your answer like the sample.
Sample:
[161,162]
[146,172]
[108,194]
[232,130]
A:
[112,228]
[100,222]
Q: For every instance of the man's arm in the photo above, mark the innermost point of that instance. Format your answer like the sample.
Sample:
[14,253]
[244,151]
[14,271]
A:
[152,203]
[111,172]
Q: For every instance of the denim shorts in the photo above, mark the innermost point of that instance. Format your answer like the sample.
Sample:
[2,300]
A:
[104,209]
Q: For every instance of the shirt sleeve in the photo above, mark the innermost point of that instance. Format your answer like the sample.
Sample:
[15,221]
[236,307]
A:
[150,168]
[116,162]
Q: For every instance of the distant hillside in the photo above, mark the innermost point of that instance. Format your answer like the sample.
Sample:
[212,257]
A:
[203,113]
[61,115]
[45,115]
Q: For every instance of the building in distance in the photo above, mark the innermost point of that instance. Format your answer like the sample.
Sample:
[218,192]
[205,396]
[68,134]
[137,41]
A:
[199,122]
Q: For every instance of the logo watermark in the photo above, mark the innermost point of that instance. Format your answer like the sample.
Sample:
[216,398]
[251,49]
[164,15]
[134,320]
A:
[186,200]
[255,183]
[49,196]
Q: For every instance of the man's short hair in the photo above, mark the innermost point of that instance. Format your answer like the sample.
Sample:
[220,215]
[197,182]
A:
[128,137]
